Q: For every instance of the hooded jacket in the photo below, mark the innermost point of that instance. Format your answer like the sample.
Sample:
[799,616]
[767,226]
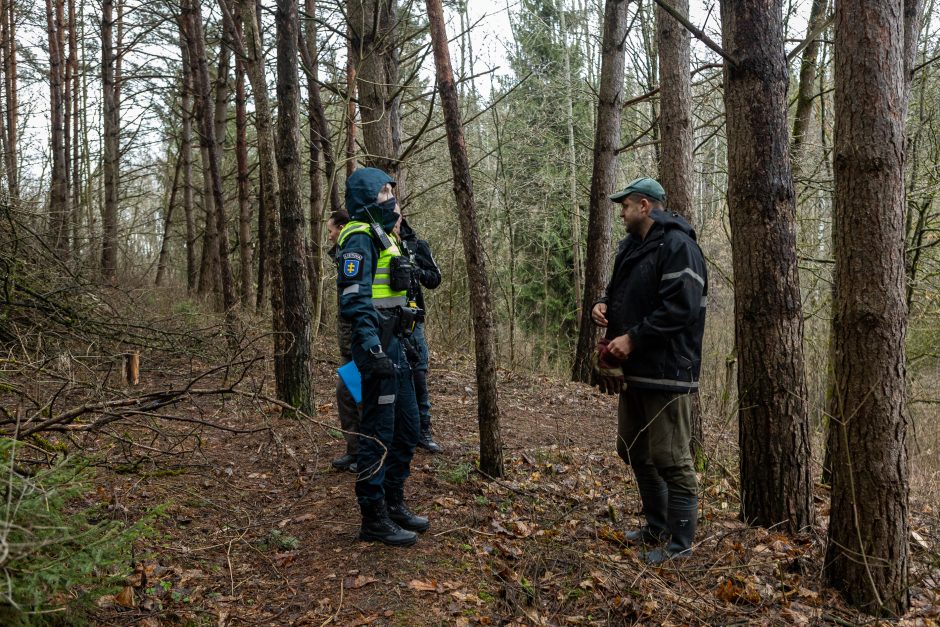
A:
[358,256]
[657,295]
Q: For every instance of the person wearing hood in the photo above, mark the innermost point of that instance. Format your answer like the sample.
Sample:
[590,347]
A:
[653,311]
[426,274]
[372,280]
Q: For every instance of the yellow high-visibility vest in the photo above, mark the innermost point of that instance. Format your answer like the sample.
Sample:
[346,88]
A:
[383,296]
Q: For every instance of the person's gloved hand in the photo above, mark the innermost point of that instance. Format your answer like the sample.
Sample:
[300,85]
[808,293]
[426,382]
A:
[381,366]
[608,375]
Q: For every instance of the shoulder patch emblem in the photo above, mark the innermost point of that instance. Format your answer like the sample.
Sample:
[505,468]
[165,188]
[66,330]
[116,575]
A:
[351,264]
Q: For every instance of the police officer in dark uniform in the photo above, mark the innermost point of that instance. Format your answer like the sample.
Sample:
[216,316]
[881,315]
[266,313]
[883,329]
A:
[425,274]
[372,281]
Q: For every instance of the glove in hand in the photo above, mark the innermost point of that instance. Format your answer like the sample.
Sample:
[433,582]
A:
[608,375]
[382,367]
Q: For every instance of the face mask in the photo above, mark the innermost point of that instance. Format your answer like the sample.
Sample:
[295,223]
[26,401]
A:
[388,215]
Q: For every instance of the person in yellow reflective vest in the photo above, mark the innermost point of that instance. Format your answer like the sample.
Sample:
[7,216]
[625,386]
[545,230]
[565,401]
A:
[372,281]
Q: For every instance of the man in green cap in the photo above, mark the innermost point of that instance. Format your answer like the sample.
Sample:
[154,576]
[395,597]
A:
[653,311]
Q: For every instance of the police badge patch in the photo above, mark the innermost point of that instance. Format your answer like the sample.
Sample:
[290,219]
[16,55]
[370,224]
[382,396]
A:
[352,265]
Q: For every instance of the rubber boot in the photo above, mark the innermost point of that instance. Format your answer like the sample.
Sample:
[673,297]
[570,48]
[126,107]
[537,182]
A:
[683,515]
[654,494]
[401,515]
[377,526]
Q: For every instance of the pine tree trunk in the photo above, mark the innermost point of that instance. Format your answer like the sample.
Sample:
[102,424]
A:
[776,484]
[677,165]
[603,179]
[868,555]
[372,26]
[58,196]
[167,223]
[244,193]
[208,139]
[10,89]
[807,85]
[186,157]
[572,168]
[269,237]
[111,157]
[297,384]
[351,96]
[317,127]
[491,449]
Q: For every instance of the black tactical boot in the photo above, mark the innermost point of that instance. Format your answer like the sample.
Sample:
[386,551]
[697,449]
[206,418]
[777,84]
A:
[654,495]
[346,462]
[377,526]
[400,514]
[683,515]
[426,441]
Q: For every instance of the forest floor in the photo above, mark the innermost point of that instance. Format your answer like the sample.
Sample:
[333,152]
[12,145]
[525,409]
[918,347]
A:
[258,529]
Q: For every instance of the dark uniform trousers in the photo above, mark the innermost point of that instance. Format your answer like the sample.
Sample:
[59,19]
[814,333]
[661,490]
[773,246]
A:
[390,415]
[346,405]
[420,367]
[653,435]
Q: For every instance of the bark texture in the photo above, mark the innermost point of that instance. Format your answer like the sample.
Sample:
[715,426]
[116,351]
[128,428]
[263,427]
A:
[372,30]
[776,484]
[868,555]
[111,156]
[491,448]
[603,179]
[208,138]
[676,159]
[295,372]
[676,168]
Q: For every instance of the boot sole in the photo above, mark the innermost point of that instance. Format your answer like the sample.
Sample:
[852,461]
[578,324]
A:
[367,537]
[412,528]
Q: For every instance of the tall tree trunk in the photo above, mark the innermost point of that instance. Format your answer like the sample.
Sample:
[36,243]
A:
[10,89]
[186,158]
[72,112]
[603,178]
[244,193]
[296,382]
[867,557]
[58,196]
[200,63]
[776,484]
[4,22]
[211,274]
[111,157]
[677,165]
[316,124]
[572,165]
[167,223]
[351,97]
[805,91]
[373,27]
[491,449]
[269,238]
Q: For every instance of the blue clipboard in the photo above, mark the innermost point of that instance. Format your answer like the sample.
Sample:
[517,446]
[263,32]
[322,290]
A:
[351,379]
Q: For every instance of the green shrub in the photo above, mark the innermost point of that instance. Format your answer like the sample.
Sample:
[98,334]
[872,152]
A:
[57,552]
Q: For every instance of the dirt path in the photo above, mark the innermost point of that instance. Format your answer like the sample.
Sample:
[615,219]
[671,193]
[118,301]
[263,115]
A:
[259,529]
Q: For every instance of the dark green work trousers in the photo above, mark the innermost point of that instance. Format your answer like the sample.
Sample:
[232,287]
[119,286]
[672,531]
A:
[653,435]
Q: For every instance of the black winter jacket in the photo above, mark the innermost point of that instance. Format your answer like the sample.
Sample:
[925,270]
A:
[657,295]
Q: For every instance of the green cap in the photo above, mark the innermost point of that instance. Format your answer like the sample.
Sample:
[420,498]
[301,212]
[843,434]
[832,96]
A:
[645,186]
